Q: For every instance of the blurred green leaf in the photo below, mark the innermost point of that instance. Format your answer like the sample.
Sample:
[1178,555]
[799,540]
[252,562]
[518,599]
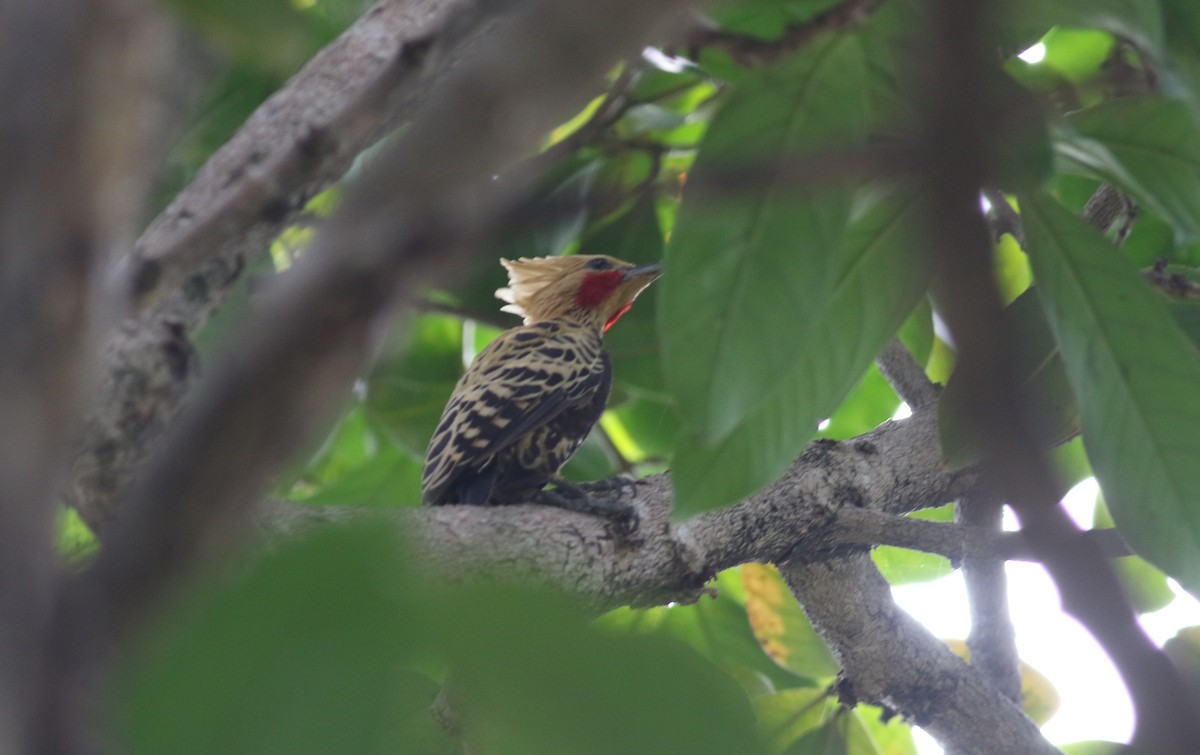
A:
[1149,146]
[875,282]
[745,267]
[76,542]
[870,403]
[273,35]
[1136,375]
[541,680]
[1043,380]
[1145,586]
[830,738]
[1097,747]
[300,655]
[1184,651]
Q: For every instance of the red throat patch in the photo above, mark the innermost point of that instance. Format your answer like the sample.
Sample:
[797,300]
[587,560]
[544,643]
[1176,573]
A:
[616,316]
[597,287]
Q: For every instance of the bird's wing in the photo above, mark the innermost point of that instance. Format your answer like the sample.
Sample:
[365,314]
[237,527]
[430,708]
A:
[521,381]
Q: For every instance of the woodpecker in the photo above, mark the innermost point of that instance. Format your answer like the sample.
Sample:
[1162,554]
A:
[530,398]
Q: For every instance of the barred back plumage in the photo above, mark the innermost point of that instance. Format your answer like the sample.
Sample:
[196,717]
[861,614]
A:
[530,398]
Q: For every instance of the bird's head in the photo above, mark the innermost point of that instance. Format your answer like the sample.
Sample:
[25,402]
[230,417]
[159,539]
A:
[590,288]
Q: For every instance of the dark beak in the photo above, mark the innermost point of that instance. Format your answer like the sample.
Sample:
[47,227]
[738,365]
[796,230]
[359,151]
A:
[651,271]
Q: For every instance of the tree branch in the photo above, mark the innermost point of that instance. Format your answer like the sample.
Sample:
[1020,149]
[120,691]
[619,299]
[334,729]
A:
[993,640]
[906,376]
[890,659]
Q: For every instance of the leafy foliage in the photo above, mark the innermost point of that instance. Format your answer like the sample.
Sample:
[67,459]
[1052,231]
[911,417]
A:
[782,284]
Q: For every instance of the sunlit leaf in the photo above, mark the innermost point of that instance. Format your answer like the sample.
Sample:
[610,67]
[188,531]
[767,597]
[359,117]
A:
[1136,376]
[780,625]
[785,717]
[903,565]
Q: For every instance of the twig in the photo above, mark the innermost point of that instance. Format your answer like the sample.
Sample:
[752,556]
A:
[1002,218]
[907,378]
[957,542]
[755,51]
[1173,284]
[992,641]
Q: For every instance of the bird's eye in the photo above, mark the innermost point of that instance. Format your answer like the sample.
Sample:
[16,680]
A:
[599,264]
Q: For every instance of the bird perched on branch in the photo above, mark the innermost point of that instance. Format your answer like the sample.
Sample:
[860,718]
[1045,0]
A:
[531,397]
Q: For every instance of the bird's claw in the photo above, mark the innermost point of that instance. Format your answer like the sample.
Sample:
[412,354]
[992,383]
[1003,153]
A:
[576,497]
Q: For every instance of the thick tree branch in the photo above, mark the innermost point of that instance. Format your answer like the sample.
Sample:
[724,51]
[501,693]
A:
[832,494]
[296,144]
[66,83]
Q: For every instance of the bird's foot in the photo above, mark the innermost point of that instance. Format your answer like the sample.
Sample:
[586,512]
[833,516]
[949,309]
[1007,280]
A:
[620,485]
[573,497]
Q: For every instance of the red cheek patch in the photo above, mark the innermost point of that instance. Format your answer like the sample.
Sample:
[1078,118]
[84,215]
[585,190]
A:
[597,287]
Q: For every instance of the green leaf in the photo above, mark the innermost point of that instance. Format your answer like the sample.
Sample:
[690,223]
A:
[877,279]
[1135,374]
[743,268]
[409,387]
[1149,146]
